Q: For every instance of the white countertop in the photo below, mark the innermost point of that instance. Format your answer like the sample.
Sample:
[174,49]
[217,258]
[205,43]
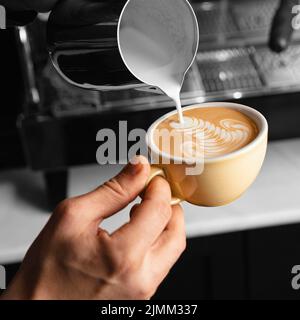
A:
[274,199]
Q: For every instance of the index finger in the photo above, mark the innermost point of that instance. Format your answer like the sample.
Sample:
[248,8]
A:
[149,219]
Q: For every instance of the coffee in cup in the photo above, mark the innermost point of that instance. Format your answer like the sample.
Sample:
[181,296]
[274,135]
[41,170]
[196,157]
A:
[209,132]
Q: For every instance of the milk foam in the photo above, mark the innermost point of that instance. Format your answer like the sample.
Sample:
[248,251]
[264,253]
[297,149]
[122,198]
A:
[210,133]
[211,139]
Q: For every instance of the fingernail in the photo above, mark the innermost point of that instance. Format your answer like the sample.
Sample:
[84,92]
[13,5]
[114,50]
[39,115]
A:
[134,166]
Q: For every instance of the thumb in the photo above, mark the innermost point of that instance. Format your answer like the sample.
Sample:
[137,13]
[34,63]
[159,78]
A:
[118,192]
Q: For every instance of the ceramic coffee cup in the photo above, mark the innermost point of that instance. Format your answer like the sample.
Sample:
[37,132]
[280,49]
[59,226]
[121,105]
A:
[223,179]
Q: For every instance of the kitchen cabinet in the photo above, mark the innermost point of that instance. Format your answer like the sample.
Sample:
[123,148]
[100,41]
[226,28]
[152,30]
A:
[207,269]
[271,255]
[246,265]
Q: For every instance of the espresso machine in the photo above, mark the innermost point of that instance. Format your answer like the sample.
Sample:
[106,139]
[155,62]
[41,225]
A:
[248,53]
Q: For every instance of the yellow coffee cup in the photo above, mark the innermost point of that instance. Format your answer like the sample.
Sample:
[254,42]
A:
[222,179]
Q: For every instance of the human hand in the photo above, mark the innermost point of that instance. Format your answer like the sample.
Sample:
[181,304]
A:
[74,259]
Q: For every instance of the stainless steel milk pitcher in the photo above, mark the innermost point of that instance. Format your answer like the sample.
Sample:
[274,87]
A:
[83,42]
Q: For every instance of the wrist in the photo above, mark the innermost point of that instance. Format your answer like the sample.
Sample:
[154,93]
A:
[33,281]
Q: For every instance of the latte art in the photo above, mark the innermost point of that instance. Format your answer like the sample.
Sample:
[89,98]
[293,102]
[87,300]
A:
[208,132]
[212,140]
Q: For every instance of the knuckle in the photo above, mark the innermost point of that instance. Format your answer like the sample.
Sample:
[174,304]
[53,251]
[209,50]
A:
[67,207]
[144,291]
[183,245]
[115,187]
[104,238]
[129,263]
[121,263]
[164,209]
[121,267]
[179,246]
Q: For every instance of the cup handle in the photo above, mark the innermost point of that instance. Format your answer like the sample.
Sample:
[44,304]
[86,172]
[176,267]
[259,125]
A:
[158,172]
